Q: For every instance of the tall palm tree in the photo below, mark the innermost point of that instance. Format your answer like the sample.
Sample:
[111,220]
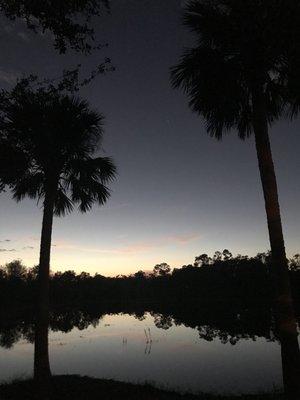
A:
[57,136]
[243,74]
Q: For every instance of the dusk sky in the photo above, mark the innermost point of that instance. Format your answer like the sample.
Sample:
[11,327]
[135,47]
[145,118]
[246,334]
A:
[179,193]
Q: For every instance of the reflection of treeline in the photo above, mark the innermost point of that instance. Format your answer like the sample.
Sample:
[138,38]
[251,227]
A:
[215,321]
[219,279]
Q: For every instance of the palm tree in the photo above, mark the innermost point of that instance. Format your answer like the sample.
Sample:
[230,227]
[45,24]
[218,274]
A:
[243,74]
[57,136]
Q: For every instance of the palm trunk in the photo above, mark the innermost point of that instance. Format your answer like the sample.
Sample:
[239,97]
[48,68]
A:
[285,317]
[42,373]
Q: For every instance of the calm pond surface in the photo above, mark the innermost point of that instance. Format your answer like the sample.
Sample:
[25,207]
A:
[119,346]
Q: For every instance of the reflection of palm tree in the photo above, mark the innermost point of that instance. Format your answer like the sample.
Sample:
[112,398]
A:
[239,76]
[148,341]
[58,134]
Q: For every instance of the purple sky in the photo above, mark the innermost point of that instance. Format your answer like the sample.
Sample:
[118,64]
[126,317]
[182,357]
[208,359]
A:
[179,193]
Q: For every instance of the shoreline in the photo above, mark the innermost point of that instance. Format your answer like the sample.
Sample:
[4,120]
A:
[75,387]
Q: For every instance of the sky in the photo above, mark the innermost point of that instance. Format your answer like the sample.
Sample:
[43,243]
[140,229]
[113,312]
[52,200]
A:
[179,193]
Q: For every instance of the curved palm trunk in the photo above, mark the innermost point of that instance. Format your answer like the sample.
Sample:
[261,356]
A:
[42,373]
[285,317]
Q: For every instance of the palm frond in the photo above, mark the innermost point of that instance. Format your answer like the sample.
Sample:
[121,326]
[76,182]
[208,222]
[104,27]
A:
[63,204]
[239,45]
[96,193]
[30,185]
[293,85]
[87,181]
[13,163]
[214,88]
[99,168]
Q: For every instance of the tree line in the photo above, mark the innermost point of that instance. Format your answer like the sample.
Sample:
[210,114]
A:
[220,279]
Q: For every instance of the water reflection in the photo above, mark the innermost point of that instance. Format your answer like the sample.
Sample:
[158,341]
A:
[185,348]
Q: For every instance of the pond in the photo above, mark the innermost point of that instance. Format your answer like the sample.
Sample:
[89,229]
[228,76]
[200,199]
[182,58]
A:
[151,347]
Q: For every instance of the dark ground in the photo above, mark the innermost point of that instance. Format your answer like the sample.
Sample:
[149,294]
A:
[83,388]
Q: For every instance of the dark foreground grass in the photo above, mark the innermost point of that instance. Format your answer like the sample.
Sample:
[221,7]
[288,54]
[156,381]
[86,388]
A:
[73,387]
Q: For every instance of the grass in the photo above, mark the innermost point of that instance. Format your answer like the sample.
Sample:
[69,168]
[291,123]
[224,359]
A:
[74,387]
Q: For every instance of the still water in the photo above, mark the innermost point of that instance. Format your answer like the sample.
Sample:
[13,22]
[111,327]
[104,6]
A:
[123,347]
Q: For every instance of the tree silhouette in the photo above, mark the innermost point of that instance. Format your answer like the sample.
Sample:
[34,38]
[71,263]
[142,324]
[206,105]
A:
[295,263]
[15,269]
[242,74]
[162,269]
[12,161]
[58,136]
[201,260]
[68,20]
[69,23]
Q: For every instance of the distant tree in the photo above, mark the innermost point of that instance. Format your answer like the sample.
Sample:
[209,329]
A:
[140,274]
[69,21]
[83,276]
[243,74]
[15,269]
[2,273]
[58,136]
[187,266]
[217,256]
[98,276]
[264,257]
[32,273]
[227,255]
[241,257]
[202,260]
[294,263]
[162,269]
[68,276]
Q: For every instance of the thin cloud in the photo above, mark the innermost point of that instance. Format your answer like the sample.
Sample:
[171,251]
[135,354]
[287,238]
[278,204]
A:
[161,242]
[134,248]
[28,248]
[5,240]
[183,239]
[35,238]
[7,250]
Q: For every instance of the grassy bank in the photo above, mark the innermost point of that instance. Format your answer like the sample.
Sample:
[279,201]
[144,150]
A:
[74,387]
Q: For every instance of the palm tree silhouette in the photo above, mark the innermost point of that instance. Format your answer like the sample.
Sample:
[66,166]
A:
[242,74]
[58,136]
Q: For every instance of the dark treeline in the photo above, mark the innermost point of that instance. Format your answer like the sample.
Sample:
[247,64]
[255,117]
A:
[221,279]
